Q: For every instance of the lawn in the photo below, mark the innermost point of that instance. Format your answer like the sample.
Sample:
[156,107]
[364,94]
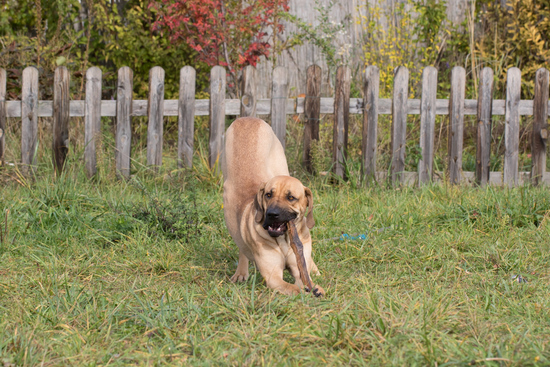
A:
[108,272]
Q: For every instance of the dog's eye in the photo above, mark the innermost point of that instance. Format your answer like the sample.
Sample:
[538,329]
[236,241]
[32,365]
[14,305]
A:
[291,198]
[268,195]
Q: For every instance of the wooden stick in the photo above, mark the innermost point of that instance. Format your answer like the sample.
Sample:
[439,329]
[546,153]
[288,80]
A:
[298,249]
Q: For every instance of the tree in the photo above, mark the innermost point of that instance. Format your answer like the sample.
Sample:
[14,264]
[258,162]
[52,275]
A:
[230,33]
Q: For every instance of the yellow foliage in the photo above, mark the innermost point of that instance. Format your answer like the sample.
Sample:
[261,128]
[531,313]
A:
[394,38]
[517,34]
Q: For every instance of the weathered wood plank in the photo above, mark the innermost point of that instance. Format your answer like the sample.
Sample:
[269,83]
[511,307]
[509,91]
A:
[468,178]
[312,111]
[29,120]
[279,101]
[92,120]
[155,127]
[484,126]
[456,123]
[341,121]
[427,124]
[217,114]
[263,107]
[511,127]
[124,121]
[399,123]
[540,126]
[60,138]
[186,116]
[248,99]
[369,140]
[3,113]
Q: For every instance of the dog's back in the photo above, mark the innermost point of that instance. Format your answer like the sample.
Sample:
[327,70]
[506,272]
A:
[252,155]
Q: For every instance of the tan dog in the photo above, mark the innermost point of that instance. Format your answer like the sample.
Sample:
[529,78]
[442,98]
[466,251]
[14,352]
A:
[259,198]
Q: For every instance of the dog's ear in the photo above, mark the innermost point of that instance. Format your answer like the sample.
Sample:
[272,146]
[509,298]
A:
[259,204]
[309,219]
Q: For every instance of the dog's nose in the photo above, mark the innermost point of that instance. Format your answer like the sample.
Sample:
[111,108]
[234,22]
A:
[272,214]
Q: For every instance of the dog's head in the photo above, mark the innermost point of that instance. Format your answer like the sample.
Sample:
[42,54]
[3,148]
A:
[280,200]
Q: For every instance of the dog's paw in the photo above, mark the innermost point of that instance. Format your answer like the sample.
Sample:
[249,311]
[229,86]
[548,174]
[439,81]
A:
[317,291]
[239,277]
[290,289]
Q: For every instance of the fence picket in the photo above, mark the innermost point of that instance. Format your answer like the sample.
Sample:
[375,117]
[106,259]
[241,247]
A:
[371,87]
[155,109]
[186,116]
[341,121]
[312,112]
[217,113]
[248,99]
[61,108]
[124,121]
[399,123]
[279,96]
[511,129]
[540,127]
[92,122]
[60,141]
[29,119]
[427,124]
[3,114]
[456,123]
[484,126]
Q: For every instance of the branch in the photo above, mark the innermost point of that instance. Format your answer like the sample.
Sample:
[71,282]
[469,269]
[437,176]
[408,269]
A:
[226,54]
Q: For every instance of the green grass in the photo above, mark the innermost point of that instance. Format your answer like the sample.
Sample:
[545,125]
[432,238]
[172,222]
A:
[107,272]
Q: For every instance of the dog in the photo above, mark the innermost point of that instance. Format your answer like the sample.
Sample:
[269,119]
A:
[259,199]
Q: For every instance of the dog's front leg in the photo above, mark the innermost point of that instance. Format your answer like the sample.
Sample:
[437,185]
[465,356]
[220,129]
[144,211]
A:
[273,275]
[241,274]
[295,272]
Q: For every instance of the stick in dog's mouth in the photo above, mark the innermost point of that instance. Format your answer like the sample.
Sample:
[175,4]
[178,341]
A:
[298,249]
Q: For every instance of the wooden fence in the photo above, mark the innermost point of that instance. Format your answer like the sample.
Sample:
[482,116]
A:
[279,106]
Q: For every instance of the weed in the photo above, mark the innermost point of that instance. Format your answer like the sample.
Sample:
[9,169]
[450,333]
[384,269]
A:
[176,217]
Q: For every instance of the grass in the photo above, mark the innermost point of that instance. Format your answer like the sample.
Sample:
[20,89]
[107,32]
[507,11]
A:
[111,273]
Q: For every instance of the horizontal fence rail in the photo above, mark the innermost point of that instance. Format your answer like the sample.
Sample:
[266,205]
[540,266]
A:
[263,107]
[279,106]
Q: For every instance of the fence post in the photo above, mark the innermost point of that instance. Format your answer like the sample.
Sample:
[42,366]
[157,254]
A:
[540,127]
[312,111]
[92,122]
[484,125]
[427,124]
[279,95]
[124,121]
[3,81]
[186,116]
[399,123]
[511,129]
[60,141]
[29,119]
[341,121]
[217,113]
[248,99]
[155,111]
[371,88]
[456,123]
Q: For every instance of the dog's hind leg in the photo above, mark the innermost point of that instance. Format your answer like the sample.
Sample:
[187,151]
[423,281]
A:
[314,269]
[241,275]
[296,274]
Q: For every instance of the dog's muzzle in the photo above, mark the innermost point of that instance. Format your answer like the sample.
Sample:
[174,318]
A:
[276,220]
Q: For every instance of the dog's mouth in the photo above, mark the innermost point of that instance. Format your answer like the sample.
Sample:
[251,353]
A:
[276,229]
